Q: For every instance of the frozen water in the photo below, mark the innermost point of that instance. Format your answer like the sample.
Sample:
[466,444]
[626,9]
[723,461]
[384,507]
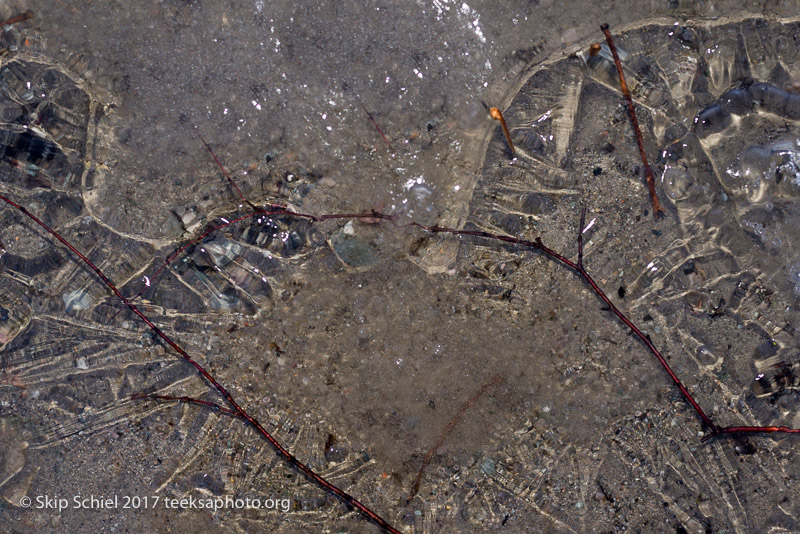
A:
[584,436]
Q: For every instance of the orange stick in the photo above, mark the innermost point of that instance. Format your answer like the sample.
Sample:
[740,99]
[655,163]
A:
[498,116]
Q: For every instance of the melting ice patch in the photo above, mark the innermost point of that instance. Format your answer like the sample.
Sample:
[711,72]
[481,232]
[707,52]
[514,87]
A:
[464,13]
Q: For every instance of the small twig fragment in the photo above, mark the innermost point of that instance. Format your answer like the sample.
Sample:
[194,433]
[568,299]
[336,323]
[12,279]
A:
[580,237]
[224,171]
[18,18]
[187,400]
[375,123]
[498,116]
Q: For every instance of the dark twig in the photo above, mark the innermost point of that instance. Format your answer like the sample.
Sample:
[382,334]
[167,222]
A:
[375,123]
[648,171]
[18,18]
[225,172]
[187,400]
[581,229]
[494,381]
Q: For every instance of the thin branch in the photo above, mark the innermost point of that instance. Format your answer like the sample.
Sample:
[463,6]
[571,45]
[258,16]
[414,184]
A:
[648,171]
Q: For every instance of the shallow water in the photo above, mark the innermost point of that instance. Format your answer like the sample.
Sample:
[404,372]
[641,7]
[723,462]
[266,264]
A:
[360,343]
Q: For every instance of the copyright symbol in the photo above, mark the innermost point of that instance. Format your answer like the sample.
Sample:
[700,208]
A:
[25,502]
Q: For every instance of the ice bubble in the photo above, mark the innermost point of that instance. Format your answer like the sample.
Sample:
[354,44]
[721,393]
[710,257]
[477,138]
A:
[677,182]
[794,274]
[76,300]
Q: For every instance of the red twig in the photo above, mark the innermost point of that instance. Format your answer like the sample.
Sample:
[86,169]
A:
[648,171]
[374,122]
